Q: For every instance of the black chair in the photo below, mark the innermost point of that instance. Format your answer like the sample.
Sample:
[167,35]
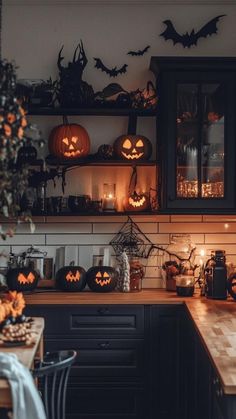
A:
[52,374]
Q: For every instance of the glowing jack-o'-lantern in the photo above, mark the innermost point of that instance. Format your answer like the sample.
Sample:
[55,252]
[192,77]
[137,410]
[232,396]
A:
[69,141]
[133,147]
[136,202]
[22,279]
[71,278]
[102,278]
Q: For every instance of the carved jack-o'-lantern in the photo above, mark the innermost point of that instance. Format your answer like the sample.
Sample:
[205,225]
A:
[71,278]
[136,202]
[69,141]
[102,278]
[22,279]
[133,147]
[232,286]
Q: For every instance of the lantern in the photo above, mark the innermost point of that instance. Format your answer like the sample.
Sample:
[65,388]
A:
[102,278]
[22,279]
[71,278]
[133,147]
[69,141]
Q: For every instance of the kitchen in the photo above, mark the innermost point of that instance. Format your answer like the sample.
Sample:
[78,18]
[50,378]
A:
[54,23]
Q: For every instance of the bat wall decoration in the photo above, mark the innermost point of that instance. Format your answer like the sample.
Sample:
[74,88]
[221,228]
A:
[138,52]
[189,39]
[113,72]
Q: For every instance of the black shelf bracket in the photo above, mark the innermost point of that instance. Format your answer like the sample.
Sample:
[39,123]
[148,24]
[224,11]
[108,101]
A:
[132,124]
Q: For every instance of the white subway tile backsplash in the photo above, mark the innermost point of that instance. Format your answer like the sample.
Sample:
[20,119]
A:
[79,239]
[26,239]
[145,227]
[220,238]
[197,227]
[93,234]
[185,218]
[107,228]
[159,239]
[86,256]
[153,283]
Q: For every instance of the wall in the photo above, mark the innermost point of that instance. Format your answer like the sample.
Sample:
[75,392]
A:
[33,33]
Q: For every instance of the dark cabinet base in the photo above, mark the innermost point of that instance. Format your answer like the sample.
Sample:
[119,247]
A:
[105,402]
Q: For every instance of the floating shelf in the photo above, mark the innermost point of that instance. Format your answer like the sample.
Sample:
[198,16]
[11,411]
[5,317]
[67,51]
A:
[93,161]
[92,111]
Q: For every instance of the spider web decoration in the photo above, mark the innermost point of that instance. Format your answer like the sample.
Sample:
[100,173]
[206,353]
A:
[132,240]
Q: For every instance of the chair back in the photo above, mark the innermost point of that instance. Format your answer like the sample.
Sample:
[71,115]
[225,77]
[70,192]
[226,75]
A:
[52,374]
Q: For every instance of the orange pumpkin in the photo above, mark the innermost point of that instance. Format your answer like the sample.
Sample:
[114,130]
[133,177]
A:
[136,202]
[69,141]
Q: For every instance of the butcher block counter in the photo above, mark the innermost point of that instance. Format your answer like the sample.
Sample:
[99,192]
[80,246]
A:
[214,320]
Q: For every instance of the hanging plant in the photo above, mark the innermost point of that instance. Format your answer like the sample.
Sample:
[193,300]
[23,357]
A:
[14,131]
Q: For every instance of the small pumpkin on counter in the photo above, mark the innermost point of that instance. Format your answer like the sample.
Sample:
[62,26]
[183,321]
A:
[22,279]
[133,147]
[71,278]
[102,278]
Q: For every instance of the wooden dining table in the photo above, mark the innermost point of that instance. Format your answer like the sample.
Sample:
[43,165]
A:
[26,355]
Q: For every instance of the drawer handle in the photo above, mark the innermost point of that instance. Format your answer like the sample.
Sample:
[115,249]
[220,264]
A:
[103,310]
[104,345]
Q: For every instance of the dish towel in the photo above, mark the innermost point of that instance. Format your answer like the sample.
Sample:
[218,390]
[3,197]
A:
[26,401]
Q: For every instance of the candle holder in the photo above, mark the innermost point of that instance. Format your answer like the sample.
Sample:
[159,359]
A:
[109,197]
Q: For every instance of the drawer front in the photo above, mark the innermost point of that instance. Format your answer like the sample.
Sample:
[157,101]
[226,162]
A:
[104,402]
[90,320]
[107,358]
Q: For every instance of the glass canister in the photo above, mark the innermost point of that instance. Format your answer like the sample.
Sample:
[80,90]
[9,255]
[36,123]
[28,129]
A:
[185,285]
[136,274]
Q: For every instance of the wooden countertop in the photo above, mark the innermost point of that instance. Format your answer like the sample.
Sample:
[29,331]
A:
[214,320]
[26,355]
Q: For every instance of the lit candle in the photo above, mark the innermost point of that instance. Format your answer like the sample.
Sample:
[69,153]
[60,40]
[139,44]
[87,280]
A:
[109,198]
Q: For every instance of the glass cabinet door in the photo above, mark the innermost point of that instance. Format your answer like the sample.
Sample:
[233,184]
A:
[196,133]
[200,141]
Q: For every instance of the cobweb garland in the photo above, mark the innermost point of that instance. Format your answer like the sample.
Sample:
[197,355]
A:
[131,240]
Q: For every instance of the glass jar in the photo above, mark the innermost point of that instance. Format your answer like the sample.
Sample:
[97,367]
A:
[136,274]
[185,285]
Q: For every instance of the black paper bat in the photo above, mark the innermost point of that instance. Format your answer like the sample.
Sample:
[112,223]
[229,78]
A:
[113,72]
[189,39]
[139,52]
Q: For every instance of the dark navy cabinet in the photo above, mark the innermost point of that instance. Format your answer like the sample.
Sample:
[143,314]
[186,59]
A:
[109,379]
[196,132]
[135,362]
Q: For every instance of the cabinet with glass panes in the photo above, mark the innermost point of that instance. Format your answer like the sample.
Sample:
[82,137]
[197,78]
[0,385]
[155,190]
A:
[196,132]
